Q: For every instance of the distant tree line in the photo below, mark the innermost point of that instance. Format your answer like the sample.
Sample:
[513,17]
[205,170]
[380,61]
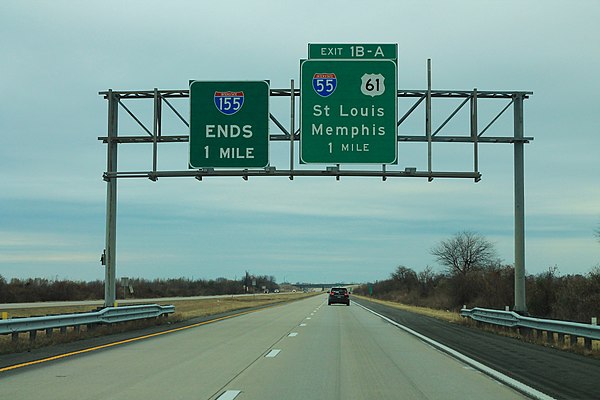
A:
[38,289]
[476,278]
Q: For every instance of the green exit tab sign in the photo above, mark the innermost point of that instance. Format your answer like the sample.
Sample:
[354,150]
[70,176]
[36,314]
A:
[365,51]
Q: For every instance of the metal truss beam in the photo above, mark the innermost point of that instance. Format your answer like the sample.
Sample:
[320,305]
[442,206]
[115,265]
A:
[149,94]
[271,171]
[279,137]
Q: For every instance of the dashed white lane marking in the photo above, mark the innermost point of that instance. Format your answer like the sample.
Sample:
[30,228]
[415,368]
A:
[308,318]
[273,353]
[302,324]
[229,395]
[292,334]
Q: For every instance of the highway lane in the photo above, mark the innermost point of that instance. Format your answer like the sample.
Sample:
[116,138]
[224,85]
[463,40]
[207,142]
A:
[325,352]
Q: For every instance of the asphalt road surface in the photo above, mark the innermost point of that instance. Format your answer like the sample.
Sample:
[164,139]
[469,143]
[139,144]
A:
[299,350]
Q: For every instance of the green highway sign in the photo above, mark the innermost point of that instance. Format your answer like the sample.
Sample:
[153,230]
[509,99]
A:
[348,111]
[384,51]
[229,124]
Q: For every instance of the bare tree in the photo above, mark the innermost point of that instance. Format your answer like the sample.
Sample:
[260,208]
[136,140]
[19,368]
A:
[464,252]
[406,277]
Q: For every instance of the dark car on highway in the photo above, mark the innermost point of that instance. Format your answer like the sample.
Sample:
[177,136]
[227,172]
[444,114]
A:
[339,295]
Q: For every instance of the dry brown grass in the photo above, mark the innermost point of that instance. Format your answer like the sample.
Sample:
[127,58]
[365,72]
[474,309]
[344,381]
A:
[449,316]
[39,311]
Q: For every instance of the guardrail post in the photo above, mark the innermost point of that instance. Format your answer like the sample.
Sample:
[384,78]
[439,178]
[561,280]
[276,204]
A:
[573,340]
[32,335]
[587,343]
[49,332]
[525,332]
[63,329]
[15,337]
[561,339]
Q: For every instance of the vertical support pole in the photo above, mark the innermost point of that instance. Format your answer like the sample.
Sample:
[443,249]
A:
[111,202]
[156,130]
[428,118]
[519,170]
[474,134]
[292,126]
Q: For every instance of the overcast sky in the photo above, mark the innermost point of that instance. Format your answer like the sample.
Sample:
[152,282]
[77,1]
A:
[56,56]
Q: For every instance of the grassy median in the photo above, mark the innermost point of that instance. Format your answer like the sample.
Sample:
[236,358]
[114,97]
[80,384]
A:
[184,310]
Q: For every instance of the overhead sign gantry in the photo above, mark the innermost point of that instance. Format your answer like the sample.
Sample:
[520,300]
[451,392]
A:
[348,116]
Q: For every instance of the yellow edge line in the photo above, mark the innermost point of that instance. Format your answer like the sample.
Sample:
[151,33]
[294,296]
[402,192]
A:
[104,346]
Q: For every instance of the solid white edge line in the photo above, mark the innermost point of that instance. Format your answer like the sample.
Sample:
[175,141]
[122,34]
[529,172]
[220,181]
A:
[500,377]
[229,395]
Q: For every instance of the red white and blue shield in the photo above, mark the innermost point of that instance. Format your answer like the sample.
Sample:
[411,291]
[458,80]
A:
[229,102]
[324,84]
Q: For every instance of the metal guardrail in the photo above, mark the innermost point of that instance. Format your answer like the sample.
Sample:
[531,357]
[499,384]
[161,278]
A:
[107,315]
[514,320]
